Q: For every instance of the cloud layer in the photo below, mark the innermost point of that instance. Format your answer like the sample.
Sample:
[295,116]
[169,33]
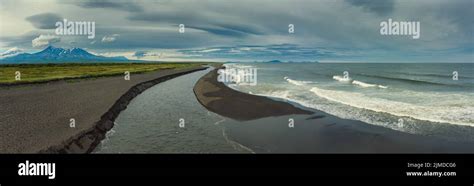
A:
[343,30]
[44,20]
[45,40]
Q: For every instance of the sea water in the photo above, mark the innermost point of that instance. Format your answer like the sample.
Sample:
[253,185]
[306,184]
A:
[426,98]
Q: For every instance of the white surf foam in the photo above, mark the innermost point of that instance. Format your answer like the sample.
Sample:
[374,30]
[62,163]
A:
[445,113]
[358,83]
[297,82]
[367,85]
[340,78]
[277,94]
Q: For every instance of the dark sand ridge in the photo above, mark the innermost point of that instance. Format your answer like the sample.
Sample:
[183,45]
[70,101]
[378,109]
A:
[219,98]
[265,128]
[35,118]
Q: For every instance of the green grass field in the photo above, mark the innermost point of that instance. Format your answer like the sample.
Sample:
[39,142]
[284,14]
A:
[31,73]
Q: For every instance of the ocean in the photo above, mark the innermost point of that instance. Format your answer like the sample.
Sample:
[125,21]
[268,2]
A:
[418,98]
[384,108]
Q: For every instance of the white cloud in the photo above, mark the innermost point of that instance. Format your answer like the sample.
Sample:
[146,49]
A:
[108,39]
[11,52]
[44,40]
[333,24]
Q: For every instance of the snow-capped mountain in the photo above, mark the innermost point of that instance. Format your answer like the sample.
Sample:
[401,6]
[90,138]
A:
[11,52]
[53,54]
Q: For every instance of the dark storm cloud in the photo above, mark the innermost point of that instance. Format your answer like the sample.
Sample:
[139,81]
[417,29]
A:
[460,14]
[199,22]
[130,38]
[224,31]
[22,41]
[110,4]
[137,38]
[254,29]
[380,7]
[44,21]
[286,52]
[240,28]
[167,16]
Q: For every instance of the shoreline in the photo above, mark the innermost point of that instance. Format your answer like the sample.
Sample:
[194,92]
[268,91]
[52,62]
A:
[319,132]
[87,134]
[220,99]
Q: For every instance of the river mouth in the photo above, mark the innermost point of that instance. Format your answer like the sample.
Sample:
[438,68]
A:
[167,118]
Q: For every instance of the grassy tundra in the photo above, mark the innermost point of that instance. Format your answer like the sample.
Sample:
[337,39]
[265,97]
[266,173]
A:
[34,73]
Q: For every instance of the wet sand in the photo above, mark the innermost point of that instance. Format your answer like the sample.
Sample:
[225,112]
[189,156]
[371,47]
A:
[36,118]
[261,124]
[219,98]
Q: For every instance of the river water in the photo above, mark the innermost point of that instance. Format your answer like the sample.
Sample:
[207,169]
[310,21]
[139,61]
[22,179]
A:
[151,123]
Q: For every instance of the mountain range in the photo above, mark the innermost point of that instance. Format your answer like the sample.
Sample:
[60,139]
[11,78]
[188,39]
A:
[53,54]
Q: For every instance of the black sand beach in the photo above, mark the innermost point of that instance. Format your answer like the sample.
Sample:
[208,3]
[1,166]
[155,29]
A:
[261,124]
[222,100]
[36,118]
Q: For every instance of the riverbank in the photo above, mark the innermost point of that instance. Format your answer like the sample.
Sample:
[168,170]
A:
[37,118]
[167,118]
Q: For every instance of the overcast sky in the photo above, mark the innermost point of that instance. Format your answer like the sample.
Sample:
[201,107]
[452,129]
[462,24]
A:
[247,30]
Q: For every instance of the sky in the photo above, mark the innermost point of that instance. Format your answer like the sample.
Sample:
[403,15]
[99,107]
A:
[246,30]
